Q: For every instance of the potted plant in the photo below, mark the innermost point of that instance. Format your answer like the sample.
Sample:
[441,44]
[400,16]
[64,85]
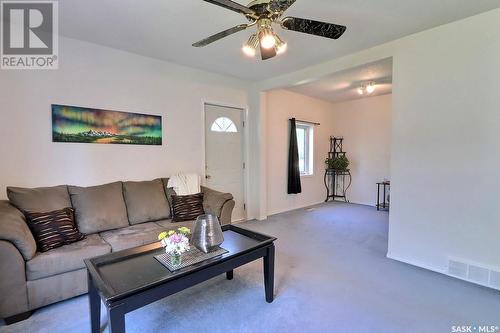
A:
[340,163]
[175,242]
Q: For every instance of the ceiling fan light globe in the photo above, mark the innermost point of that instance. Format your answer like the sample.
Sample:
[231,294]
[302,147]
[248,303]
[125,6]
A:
[361,91]
[267,41]
[282,48]
[250,47]
[248,51]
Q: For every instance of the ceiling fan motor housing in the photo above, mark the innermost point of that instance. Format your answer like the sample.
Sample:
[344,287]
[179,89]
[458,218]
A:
[261,9]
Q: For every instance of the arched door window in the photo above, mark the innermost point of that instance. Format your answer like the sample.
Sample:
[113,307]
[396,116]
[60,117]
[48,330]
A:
[224,124]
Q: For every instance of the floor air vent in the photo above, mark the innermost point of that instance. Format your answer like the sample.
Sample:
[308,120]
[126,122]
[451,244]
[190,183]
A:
[458,269]
[495,279]
[474,273]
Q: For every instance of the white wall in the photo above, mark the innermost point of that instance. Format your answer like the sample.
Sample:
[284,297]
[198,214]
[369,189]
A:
[366,127]
[446,145]
[100,77]
[281,106]
[445,141]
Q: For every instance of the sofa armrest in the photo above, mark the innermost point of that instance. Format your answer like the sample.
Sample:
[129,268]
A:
[14,299]
[215,202]
[13,228]
[226,212]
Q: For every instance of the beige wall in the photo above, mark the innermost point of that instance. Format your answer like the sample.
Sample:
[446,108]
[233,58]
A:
[281,106]
[446,145]
[445,140]
[100,77]
[365,125]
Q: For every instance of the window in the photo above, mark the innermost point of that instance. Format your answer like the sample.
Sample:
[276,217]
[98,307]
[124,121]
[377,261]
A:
[305,138]
[224,124]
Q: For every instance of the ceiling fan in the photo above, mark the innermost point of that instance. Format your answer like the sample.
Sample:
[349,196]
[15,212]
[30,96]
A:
[263,14]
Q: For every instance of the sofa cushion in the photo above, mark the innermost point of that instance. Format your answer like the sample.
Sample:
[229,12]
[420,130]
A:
[99,208]
[136,235]
[54,229]
[146,201]
[169,225]
[187,207]
[41,199]
[65,258]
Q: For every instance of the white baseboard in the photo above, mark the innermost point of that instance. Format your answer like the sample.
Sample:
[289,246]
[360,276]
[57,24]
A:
[289,209]
[415,263]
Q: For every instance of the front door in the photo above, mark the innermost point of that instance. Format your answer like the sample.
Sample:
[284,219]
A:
[224,169]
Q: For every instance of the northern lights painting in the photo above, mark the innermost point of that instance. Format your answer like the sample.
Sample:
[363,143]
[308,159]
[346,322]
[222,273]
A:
[86,125]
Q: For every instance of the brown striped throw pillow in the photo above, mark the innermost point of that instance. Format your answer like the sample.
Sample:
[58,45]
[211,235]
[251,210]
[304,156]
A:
[187,207]
[54,229]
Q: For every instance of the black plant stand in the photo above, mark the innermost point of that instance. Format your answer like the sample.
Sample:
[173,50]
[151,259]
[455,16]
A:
[337,182]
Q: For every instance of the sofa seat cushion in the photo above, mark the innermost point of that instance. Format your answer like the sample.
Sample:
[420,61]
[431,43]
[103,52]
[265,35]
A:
[65,258]
[169,225]
[136,235]
[41,199]
[99,208]
[146,201]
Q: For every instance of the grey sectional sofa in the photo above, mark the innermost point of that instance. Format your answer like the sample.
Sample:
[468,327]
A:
[114,217]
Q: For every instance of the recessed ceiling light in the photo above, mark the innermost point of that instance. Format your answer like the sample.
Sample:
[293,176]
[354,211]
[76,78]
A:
[367,88]
[370,88]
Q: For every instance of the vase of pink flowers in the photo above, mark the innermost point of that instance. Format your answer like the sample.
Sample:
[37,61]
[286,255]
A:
[175,242]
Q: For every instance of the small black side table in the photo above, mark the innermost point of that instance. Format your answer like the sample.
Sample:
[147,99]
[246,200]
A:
[385,186]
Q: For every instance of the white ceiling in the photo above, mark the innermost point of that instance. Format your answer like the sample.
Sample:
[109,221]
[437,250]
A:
[165,29]
[343,86]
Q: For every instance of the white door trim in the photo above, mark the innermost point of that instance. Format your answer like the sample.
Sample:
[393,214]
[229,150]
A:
[244,110]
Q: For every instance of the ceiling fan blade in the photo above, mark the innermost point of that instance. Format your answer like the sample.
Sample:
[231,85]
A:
[267,53]
[220,35]
[231,5]
[312,27]
[279,6]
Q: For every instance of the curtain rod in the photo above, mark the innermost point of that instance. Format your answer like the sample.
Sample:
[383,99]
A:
[307,122]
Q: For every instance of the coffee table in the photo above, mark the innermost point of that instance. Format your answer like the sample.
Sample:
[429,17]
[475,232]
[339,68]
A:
[130,279]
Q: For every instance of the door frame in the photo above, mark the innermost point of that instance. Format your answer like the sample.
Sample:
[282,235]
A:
[245,138]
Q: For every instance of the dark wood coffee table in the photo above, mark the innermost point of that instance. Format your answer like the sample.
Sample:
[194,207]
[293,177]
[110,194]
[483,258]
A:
[130,279]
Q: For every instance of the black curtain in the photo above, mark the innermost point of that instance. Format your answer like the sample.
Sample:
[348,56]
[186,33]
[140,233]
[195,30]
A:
[294,186]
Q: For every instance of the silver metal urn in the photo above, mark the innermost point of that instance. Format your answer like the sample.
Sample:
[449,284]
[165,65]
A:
[207,233]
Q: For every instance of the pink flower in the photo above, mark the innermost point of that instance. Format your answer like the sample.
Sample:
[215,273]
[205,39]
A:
[175,238]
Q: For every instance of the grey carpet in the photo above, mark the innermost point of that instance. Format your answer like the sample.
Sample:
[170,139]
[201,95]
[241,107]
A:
[331,276]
